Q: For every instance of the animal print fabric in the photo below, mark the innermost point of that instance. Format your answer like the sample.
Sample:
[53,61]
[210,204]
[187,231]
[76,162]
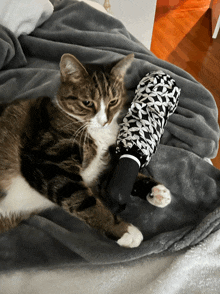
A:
[156,98]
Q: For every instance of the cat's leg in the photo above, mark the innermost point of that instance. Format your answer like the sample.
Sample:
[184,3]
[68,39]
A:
[83,204]
[152,191]
[99,217]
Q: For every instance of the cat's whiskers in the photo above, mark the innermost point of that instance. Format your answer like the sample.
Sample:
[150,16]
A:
[85,138]
[80,130]
[67,125]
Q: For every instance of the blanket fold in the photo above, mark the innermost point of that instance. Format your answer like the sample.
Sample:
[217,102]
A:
[12,55]
[30,68]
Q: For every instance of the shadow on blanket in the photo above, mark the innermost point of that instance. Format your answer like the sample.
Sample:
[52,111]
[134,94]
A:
[29,68]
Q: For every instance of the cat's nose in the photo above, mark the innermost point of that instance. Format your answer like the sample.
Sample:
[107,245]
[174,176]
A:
[103,120]
[105,124]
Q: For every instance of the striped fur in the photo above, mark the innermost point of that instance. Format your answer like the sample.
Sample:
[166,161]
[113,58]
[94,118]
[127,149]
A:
[56,149]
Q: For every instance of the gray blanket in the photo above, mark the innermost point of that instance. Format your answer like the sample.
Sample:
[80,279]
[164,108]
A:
[30,68]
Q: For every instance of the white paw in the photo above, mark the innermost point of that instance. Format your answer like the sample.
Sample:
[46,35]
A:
[160,196]
[132,238]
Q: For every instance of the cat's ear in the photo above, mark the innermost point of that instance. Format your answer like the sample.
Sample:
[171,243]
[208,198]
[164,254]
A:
[120,69]
[71,69]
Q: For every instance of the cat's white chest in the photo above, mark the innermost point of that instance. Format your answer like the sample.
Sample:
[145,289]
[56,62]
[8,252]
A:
[104,138]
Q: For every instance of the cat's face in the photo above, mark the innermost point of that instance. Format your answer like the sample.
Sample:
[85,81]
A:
[95,99]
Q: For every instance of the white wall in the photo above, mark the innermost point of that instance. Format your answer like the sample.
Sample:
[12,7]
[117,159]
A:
[136,15]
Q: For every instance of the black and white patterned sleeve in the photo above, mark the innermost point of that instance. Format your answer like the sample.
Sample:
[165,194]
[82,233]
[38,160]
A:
[156,98]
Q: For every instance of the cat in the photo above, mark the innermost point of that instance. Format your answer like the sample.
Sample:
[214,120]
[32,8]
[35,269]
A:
[54,151]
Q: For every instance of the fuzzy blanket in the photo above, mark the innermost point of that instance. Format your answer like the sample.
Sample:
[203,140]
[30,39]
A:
[29,67]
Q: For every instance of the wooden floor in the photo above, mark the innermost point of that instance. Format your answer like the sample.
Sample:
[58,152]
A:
[182,36]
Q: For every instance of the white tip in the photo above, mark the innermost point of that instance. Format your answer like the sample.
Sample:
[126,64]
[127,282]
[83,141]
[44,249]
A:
[132,238]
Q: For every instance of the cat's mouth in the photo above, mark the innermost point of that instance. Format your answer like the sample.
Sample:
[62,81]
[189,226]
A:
[99,126]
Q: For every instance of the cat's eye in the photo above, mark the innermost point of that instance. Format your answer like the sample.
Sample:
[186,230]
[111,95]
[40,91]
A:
[88,103]
[113,102]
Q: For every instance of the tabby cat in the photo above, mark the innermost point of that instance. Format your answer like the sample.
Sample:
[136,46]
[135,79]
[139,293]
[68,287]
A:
[53,151]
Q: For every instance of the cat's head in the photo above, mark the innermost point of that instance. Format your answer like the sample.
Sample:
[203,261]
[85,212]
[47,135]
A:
[95,98]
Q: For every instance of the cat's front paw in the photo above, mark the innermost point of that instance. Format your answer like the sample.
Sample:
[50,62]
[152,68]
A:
[132,238]
[160,196]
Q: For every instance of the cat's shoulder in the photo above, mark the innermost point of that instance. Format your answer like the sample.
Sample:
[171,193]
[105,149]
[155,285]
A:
[22,111]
